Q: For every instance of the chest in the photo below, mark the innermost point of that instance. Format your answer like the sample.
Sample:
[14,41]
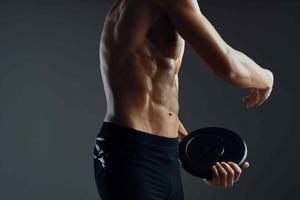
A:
[163,35]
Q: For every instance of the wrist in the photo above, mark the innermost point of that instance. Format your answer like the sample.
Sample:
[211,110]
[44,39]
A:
[269,78]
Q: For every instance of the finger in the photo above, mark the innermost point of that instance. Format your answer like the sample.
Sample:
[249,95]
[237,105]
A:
[261,102]
[250,96]
[230,174]
[252,99]
[237,170]
[216,177]
[251,102]
[223,175]
[266,96]
[254,102]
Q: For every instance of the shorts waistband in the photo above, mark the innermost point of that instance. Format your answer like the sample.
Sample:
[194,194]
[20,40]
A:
[120,133]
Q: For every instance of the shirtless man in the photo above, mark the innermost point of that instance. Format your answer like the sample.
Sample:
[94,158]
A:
[141,50]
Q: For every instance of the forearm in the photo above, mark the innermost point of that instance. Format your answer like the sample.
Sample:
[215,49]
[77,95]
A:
[182,132]
[245,73]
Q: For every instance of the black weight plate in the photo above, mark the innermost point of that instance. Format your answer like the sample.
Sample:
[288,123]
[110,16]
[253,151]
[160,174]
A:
[200,149]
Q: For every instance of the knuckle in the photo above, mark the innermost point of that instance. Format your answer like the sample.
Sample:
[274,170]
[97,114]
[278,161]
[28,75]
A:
[223,173]
[231,172]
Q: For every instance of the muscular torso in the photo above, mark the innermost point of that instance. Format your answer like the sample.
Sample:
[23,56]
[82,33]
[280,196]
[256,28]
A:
[140,57]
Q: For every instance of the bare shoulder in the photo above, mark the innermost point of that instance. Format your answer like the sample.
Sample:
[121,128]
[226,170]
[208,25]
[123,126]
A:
[173,3]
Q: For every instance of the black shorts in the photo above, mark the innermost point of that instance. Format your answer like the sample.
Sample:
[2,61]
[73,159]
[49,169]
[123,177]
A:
[134,165]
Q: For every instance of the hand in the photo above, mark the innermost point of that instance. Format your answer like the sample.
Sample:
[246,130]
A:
[225,174]
[259,96]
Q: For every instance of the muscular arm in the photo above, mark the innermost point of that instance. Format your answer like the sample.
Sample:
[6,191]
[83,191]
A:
[182,132]
[229,64]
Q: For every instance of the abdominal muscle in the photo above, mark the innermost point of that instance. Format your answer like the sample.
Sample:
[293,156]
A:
[154,119]
[141,102]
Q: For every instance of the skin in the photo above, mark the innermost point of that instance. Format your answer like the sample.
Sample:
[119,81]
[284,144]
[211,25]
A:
[141,50]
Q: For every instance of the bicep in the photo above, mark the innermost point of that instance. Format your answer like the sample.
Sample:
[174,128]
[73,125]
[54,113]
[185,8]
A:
[196,30]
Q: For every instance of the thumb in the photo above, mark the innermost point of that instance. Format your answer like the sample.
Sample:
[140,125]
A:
[245,165]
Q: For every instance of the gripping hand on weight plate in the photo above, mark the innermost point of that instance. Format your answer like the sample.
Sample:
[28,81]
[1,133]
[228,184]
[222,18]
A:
[225,174]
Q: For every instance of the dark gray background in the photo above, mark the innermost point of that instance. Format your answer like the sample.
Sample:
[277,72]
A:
[52,101]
